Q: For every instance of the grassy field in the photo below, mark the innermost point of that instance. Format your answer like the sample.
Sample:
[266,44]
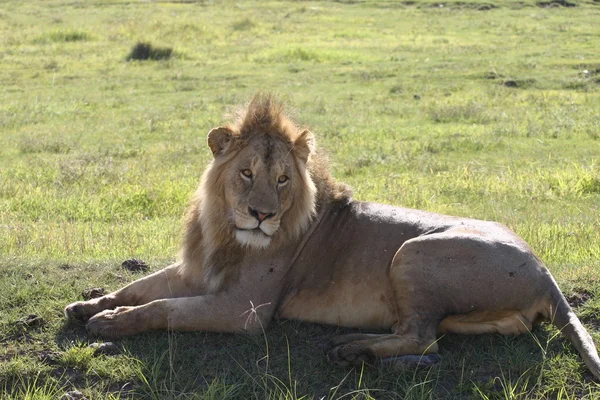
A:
[488,109]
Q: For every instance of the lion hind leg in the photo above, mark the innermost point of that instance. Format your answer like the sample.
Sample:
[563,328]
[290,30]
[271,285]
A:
[507,322]
[352,337]
[383,347]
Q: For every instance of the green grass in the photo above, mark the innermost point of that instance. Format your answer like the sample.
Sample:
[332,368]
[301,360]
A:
[487,109]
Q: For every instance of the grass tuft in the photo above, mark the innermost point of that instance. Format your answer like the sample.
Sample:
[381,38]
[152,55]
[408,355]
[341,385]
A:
[589,184]
[472,111]
[146,51]
[300,54]
[31,145]
[65,36]
[244,24]
[518,83]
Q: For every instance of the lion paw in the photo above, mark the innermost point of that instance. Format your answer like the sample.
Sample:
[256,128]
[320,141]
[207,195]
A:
[111,323]
[80,310]
[350,354]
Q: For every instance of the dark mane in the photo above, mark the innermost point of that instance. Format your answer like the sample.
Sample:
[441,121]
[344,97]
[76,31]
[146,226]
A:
[265,114]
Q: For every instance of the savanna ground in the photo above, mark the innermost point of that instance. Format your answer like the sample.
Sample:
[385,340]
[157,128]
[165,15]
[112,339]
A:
[484,109]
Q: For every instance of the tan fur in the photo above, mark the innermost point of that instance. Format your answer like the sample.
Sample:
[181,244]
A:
[504,322]
[271,234]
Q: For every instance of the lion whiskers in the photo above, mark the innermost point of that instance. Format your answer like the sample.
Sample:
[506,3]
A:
[269,226]
[244,221]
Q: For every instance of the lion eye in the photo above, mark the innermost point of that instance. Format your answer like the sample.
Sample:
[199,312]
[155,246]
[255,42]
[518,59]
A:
[247,173]
[282,179]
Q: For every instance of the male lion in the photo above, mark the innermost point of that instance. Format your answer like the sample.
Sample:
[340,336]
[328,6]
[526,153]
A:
[270,234]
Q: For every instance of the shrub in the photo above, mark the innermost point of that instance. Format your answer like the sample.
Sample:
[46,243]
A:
[145,51]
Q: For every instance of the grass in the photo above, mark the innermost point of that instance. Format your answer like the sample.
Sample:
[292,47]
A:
[485,109]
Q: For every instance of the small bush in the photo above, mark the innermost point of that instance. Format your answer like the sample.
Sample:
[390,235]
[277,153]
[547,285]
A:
[145,51]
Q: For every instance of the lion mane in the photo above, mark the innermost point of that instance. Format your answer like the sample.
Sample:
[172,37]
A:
[210,252]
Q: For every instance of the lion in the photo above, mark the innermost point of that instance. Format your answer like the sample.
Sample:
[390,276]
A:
[271,234]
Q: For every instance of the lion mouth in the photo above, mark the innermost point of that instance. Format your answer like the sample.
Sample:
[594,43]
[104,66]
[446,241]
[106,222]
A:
[253,233]
[253,230]
[252,237]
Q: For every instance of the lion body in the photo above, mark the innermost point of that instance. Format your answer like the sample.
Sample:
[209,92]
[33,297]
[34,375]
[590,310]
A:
[270,234]
[350,283]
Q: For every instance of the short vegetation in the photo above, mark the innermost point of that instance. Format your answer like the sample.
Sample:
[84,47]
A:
[488,109]
[146,51]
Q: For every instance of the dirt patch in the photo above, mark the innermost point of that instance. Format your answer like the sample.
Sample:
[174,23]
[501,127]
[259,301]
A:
[29,322]
[135,265]
[49,357]
[11,354]
[579,297]
[518,83]
[72,376]
[20,335]
[593,321]
[93,293]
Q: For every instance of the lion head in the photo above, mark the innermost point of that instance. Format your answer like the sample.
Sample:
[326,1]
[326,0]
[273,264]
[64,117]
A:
[260,172]
[261,190]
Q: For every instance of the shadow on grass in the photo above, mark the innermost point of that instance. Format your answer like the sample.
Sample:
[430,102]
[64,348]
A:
[289,361]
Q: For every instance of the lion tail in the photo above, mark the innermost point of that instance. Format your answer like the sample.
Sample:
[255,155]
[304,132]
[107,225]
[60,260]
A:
[563,317]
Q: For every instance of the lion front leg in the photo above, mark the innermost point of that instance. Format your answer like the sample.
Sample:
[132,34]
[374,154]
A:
[166,283]
[213,313]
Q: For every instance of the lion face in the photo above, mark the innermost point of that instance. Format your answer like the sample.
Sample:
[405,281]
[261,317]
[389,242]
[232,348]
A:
[259,191]
[265,185]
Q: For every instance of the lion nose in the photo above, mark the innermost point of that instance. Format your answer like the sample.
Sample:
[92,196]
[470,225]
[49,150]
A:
[260,216]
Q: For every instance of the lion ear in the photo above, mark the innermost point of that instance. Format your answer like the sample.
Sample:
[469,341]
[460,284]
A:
[219,140]
[305,145]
